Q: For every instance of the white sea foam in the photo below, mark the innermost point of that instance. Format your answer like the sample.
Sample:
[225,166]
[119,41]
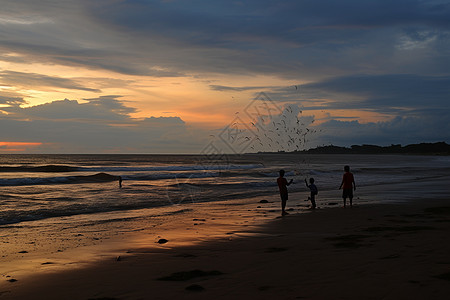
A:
[64,185]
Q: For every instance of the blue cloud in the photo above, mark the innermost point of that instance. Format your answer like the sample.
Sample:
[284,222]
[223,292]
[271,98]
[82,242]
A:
[400,130]
[286,38]
[385,92]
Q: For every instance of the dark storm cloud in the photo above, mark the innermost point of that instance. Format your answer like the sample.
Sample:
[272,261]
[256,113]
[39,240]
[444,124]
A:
[215,23]
[384,92]
[11,101]
[290,37]
[287,38]
[400,130]
[33,79]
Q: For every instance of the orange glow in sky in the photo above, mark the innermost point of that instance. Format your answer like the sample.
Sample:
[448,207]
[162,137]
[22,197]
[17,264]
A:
[16,146]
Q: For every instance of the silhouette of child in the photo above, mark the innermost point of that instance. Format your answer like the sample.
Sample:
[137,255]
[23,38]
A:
[282,185]
[314,191]
[348,186]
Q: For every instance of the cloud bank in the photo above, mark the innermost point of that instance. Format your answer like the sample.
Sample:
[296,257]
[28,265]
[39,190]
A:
[340,60]
[99,125]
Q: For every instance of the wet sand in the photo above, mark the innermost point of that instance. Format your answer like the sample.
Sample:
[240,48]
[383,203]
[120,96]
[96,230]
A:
[243,250]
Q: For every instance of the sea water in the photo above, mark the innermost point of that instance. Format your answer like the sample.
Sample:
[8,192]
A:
[38,187]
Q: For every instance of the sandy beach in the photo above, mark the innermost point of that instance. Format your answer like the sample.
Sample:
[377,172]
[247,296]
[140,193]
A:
[243,249]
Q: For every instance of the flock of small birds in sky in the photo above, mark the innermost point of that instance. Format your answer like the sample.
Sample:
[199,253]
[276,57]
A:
[284,132]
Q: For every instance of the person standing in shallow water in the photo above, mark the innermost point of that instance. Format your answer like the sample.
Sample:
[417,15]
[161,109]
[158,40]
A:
[313,189]
[348,186]
[282,185]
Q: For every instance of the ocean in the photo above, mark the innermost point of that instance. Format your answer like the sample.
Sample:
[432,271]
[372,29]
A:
[39,187]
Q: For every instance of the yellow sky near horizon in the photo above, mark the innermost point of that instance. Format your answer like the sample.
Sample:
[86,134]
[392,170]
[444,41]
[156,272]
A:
[189,97]
[207,103]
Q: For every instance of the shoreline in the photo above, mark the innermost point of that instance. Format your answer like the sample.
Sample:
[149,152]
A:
[371,251]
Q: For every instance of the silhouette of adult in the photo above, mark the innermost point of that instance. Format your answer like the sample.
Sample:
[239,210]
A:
[282,185]
[348,185]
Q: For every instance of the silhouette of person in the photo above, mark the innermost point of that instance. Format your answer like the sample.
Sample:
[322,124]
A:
[348,185]
[314,191]
[282,185]
[120,182]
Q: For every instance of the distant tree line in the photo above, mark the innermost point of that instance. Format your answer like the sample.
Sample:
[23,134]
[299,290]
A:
[439,148]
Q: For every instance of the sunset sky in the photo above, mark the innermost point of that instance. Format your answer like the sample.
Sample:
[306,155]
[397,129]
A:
[113,76]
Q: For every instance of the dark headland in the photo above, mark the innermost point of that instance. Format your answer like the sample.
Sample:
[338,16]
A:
[439,148]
